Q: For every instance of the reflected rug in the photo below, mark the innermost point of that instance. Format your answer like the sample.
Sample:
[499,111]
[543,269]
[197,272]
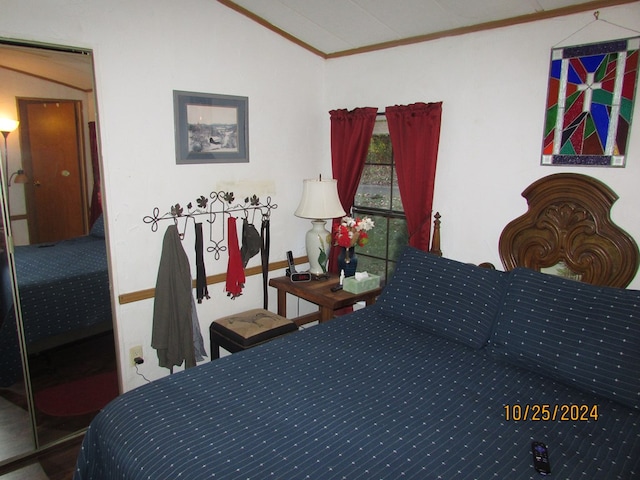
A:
[86,395]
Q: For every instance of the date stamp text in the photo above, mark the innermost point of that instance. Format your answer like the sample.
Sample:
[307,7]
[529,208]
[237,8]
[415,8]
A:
[536,412]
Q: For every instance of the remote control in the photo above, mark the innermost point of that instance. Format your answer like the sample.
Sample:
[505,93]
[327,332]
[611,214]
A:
[540,458]
[336,288]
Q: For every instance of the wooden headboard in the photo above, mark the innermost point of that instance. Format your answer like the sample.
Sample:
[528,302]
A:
[567,230]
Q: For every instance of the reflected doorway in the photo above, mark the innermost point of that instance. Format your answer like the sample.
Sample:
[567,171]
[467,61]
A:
[53,159]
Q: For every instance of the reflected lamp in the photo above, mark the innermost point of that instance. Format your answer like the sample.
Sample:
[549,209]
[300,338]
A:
[319,202]
[18,177]
[6,127]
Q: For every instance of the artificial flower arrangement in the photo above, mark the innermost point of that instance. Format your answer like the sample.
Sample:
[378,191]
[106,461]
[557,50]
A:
[352,232]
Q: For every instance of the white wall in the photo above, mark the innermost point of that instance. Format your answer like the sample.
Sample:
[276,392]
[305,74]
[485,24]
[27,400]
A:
[143,51]
[493,86]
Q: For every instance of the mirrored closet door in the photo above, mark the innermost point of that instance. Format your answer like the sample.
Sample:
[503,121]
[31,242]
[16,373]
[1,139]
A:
[17,434]
[57,352]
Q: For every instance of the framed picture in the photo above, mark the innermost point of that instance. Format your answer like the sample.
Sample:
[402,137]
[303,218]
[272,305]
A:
[211,128]
[590,101]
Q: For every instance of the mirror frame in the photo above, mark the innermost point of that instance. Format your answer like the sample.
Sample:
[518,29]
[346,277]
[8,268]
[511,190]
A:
[13,463]
[8,239]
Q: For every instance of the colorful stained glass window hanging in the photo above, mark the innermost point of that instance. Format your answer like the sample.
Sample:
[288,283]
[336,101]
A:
[590,103]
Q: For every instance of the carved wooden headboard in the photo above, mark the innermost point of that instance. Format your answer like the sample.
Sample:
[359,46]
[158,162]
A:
[567,230]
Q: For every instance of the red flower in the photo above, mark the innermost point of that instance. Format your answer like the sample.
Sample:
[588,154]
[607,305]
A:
[352,232]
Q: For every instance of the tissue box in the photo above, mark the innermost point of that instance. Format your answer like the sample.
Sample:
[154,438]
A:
[352,285]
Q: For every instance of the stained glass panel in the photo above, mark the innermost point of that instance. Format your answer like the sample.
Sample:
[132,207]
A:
[590,102]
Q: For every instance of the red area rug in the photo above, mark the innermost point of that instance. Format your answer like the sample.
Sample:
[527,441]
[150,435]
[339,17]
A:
[79,397]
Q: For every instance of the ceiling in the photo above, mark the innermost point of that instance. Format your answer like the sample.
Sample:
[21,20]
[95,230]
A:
[329,28]
[332,28]
[71,69]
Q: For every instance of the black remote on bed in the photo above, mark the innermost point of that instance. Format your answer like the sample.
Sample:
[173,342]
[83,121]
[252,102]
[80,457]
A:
[540,458]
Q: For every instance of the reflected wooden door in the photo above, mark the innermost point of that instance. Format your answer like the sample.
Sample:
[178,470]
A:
[53,159]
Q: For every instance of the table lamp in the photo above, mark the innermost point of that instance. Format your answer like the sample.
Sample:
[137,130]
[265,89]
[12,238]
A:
[319,202]
[7,126]
[18,177]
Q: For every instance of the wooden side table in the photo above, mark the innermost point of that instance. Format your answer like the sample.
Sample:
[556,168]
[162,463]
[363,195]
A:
[319,292]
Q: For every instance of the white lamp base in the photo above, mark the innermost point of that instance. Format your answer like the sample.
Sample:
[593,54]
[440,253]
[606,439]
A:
[318,244]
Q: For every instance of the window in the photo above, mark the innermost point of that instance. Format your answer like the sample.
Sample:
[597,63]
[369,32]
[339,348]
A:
[378,197]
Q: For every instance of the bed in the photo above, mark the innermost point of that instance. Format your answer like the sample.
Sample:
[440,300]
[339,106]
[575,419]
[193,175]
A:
[64,297]
[426,383]
[567,230]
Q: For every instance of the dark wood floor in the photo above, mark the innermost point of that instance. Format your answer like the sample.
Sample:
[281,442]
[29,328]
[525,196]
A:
[59,464]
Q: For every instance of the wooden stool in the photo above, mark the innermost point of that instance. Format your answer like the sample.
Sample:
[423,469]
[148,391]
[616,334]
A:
[247,329]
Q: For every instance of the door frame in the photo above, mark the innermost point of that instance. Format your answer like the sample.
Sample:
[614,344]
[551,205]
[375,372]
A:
[30,200]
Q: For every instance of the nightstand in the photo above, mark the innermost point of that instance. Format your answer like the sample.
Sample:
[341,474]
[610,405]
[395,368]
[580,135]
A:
[319,292]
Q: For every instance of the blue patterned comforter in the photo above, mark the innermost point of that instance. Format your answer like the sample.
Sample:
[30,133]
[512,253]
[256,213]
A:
[361,397]
[63,288]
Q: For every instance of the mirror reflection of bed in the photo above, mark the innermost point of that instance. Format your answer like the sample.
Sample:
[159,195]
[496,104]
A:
[66,317]
[64,312]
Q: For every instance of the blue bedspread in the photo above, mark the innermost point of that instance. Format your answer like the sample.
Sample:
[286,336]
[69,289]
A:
[360,397]
[63,288]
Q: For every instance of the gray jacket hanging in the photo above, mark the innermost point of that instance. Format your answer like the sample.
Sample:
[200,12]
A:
[172,334]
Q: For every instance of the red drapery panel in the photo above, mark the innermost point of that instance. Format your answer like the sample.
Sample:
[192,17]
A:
[415,134]
[350,137]
[96,196]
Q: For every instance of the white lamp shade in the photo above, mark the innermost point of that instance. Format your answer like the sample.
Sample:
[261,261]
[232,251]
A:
[8,125]
[320,200]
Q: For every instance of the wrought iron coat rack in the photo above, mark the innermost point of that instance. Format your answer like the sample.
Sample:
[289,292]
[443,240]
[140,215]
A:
[217,206]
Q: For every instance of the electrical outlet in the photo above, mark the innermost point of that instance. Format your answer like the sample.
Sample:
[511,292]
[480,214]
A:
[133,353]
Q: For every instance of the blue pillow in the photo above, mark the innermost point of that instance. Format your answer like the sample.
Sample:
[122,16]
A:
[97,229]
[579,334]
[444,297]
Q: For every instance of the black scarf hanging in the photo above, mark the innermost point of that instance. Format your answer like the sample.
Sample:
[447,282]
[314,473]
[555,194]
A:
[201,276]
[264,254]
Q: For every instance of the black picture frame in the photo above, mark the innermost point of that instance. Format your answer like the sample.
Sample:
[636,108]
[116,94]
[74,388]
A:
[211,128]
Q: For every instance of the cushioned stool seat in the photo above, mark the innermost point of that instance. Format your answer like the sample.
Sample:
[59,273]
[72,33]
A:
[244,330]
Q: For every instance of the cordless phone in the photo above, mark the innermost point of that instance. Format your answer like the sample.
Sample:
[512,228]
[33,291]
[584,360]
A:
[293,274]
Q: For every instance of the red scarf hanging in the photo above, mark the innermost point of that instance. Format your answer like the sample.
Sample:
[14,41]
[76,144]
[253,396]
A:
[235,271]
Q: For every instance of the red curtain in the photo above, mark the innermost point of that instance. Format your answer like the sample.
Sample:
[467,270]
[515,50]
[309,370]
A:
[415,135]
[350,137]
[96,196]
